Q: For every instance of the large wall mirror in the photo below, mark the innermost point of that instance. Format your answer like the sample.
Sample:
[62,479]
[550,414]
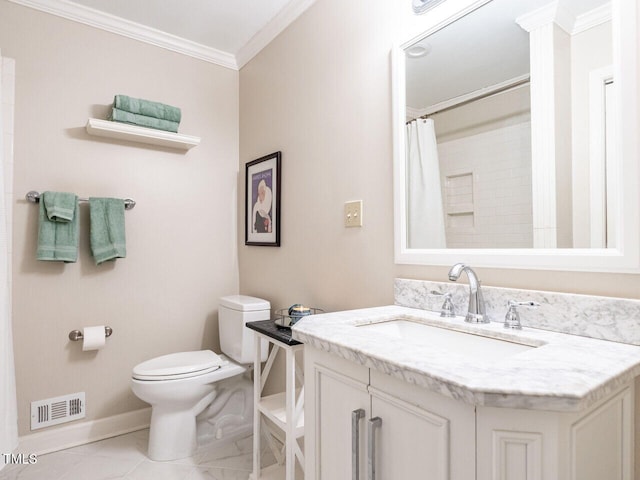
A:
[515,127]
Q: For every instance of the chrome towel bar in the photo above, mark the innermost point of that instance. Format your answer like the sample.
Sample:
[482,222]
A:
[34,197]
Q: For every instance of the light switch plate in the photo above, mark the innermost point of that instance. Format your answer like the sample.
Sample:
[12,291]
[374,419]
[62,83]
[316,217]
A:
[353,214]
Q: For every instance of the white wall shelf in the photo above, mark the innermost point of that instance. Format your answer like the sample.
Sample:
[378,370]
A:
[133,133]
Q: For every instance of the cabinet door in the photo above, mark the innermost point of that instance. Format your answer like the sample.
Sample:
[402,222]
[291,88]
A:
[332,397]
[423,435]
[592,444]
[518,444]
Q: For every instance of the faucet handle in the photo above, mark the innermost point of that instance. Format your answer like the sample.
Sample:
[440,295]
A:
[512,318]
[448,310]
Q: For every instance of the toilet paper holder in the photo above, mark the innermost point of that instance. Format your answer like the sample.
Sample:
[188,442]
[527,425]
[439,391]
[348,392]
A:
[76,335]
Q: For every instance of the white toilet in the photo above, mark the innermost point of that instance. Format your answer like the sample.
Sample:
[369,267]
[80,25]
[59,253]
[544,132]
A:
[181,385]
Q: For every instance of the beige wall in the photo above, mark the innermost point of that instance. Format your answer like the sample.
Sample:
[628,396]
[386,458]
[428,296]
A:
[321,93]
[503,110]
[181,241]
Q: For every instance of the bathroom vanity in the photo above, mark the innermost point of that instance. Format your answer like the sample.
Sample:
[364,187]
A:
[400,393]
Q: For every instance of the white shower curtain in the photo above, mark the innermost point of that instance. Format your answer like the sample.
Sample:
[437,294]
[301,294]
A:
[8,407]
[424,199]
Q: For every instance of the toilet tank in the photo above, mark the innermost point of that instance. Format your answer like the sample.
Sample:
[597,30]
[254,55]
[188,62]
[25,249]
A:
[236,340]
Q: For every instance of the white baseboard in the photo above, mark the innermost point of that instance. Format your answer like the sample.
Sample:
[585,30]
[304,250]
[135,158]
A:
[79,433]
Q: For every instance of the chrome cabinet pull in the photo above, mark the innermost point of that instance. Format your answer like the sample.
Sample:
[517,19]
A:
[356,415]
[374,423]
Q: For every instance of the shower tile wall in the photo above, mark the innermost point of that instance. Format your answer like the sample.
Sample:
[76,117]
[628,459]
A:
[486,182]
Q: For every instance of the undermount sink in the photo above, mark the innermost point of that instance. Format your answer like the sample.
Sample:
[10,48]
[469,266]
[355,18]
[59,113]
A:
[477,348]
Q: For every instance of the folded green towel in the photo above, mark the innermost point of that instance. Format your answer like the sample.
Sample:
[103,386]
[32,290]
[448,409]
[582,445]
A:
[60,206]
[143,121]
[147,108]
[58,225]
[107,229]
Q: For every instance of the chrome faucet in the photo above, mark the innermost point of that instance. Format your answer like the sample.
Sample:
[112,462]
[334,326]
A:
[477,311]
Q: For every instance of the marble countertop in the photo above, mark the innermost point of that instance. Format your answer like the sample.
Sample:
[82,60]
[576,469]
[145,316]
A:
[562,373]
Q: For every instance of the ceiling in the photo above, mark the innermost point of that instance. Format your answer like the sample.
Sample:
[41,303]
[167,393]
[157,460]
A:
[484,48]
[226,32]
[231,32]
[225,25]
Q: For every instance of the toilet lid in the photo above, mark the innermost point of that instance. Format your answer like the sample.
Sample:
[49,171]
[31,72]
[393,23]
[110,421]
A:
[179,364]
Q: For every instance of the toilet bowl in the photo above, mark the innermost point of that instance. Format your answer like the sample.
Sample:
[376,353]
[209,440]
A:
[176,397]
[180,386]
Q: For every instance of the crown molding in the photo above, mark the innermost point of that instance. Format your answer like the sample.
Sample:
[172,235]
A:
[565,19]
[550,13]
[127,28]
[276,26]
[592,18]
[120,26]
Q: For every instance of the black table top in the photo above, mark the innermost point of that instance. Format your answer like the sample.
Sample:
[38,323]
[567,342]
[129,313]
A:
[270,329]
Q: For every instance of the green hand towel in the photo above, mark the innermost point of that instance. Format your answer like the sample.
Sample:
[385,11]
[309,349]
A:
[60,206]
[147,108]
[57,228]
[107,229]
[143,121]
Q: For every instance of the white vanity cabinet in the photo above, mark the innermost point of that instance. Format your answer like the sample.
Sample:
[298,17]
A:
[593,444]
[422,435]
[425,435]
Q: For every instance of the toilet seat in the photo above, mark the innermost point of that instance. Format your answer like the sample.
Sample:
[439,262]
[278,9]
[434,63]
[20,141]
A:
[176,366]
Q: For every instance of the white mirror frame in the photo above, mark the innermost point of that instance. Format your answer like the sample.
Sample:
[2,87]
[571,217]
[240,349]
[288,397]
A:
[625,257]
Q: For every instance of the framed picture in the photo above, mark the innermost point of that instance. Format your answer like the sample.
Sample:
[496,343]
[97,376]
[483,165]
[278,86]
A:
[262,201]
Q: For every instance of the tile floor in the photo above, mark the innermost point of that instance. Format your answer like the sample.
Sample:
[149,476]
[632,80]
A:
[124,457]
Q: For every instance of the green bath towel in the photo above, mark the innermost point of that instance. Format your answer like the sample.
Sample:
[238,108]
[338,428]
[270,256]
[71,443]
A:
[147,108]
[58,225]
[143,121]
[107,229]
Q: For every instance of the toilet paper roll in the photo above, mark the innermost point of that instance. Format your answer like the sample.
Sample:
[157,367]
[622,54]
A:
[93,338]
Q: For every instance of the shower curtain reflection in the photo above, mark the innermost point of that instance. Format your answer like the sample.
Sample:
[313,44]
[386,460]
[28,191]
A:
[8,408]
[424,204]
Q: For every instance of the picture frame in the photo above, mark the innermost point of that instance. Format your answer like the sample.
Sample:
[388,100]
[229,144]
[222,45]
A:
[262,201]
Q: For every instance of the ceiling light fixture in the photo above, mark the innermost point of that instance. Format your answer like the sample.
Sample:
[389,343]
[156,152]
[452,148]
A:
[421,6]
[418,51]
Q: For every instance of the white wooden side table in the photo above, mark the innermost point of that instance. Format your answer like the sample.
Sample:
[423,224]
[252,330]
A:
[285,410]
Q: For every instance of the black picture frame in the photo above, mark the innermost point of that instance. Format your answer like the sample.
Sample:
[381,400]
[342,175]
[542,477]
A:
[262,201]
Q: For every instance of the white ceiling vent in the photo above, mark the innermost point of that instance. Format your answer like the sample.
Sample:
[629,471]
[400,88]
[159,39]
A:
[52,411]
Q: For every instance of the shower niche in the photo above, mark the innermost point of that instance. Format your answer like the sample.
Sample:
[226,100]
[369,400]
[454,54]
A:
[459,207]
